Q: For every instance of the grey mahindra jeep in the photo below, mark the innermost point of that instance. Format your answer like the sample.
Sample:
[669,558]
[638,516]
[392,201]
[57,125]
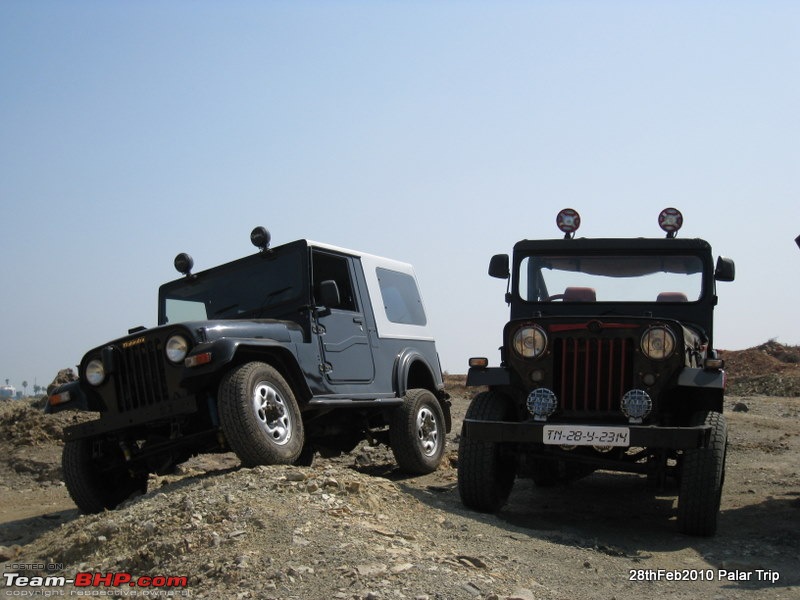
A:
[607,362]
[297,349]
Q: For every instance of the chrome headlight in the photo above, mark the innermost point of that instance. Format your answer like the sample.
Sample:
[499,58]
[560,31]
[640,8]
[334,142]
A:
[95,372]
[177,348]
[658,343]
[530,342]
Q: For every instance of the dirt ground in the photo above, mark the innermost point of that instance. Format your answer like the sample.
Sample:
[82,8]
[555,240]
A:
[354,528]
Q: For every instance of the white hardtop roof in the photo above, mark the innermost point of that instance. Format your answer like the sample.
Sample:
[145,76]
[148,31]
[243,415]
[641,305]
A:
[373,258]
[371,262]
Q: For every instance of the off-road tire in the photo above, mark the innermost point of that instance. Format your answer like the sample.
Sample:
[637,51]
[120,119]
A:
[486,470]
[702,477]
[95,485]
[417,433]
[259,415]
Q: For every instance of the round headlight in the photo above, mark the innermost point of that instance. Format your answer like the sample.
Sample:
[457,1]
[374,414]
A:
[95,373]
[530,342]
[177,348]
[658,343]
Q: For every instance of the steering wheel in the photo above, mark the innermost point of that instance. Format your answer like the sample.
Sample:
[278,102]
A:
[555,297]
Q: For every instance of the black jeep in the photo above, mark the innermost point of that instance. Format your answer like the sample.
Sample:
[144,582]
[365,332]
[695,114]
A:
[297,349]
[607,362]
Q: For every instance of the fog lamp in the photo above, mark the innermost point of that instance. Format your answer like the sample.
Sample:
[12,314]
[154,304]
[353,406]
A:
[542,403]
[670,220]
[568,221]
[636,405]
[603,449]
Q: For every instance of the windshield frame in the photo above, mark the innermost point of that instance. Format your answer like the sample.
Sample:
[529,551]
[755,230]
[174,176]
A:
[698,314]
[284,308]
[617,277]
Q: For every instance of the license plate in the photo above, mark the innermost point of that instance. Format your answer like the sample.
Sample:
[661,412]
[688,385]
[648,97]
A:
[584,435]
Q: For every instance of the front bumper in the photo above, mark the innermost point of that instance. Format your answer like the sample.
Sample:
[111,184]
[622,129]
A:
[115,422]
[641,436]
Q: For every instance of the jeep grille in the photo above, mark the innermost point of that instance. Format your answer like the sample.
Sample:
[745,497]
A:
[140,378]
[592,374]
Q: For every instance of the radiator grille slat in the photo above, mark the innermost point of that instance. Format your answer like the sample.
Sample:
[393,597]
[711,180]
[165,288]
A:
[140,377]
[594,373]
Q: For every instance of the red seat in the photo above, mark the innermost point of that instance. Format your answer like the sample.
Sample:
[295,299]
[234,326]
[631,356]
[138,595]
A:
[672,297]
[580,294]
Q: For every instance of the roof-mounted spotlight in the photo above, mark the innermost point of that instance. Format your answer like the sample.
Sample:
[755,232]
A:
[184,263]
[568,221]
[260,238]
[670,220]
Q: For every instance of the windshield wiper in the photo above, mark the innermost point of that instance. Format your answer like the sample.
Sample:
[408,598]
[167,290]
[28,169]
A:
[224,309]
[269,297]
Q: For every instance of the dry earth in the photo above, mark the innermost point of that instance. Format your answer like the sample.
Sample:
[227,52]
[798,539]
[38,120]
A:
[354,528]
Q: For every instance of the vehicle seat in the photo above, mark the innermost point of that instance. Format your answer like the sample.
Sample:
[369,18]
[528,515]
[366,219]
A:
[580,294]
[672,297]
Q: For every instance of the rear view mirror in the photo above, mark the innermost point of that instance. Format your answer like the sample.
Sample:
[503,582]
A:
[725,271]
[498,266]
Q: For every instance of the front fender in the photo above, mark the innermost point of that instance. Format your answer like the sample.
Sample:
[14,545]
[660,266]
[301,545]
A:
[701,378]
[227,352]
[67,396]
[489,376]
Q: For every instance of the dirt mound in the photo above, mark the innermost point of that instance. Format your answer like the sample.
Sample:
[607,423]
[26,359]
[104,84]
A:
[63,376]
[23,424]
[770,369]
[354,528]
[30,441]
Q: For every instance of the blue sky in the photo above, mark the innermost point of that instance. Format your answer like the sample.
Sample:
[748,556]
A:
[437,133]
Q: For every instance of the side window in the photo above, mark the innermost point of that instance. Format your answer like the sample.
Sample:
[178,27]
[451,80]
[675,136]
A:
[401,298]
[329,266]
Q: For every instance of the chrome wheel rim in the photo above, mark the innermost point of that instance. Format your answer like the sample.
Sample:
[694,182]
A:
[427,432]
[272,414]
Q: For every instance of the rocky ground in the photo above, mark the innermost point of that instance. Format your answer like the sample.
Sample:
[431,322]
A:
[354,528]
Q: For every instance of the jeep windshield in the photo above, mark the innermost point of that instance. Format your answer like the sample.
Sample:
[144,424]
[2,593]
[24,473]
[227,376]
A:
[610,278]
[255,287]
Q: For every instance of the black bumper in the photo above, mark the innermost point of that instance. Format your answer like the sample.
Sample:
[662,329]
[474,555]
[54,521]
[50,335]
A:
[113,422]
[641,436]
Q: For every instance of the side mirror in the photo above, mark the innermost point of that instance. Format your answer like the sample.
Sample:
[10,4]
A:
[797,241]
[329,294]
[726,270]
[498,266]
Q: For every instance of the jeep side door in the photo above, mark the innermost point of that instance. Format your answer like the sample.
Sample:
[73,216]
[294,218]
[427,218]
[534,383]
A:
[343,333]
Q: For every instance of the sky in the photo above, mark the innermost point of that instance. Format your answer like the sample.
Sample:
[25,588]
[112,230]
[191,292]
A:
[436,133]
